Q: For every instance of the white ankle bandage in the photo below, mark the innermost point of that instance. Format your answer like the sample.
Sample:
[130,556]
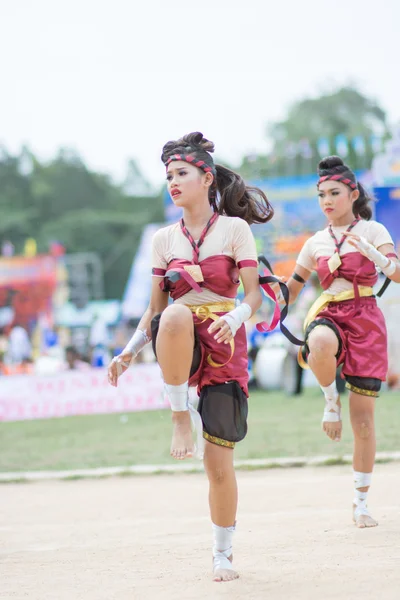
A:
[178,396]
[236,317]
[361,480]
[222,548]
[332,405]
[386,265]
[331,398]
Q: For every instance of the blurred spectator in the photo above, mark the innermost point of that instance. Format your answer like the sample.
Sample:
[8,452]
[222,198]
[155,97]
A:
[99,340]
[7,312]
[98,333]
[19,345]
[100,356]
[74,360]
[3,344]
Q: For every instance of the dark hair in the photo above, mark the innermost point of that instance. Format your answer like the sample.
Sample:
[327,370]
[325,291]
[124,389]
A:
[236,199]
[333,165]
[72,350]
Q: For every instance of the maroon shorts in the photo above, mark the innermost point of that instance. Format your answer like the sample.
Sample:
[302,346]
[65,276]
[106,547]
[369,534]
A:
[362,342]
[223,390]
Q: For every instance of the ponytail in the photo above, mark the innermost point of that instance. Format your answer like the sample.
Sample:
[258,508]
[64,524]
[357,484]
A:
[360,206]
[236,199]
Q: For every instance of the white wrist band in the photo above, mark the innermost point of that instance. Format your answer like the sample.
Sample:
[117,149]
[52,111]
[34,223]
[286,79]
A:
[373,254]
[390,268]
[236,317]
[136,343]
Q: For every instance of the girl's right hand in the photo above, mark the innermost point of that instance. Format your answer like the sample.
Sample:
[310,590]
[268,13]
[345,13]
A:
[277,290]
[117,366]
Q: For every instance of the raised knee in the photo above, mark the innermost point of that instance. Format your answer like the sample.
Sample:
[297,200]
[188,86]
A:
[322,341]
[175,319]
[363,427]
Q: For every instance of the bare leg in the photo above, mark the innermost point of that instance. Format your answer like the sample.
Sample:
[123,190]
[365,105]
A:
[223,495]
[362,410]
[324,345]
[174,349]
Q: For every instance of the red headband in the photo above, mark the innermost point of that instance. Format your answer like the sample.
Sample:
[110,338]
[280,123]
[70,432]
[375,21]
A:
[189,158]
[351,184]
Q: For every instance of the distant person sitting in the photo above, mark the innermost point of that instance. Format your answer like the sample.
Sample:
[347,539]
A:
[19,345]
[73,360]
[7,312]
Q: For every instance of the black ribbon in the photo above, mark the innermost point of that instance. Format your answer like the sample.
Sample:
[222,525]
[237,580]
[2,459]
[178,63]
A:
[384,287]
[285,293]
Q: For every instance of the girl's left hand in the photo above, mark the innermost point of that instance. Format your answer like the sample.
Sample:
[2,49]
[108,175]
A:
[224,332]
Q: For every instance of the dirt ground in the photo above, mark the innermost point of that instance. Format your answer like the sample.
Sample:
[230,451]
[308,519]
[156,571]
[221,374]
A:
[149,538]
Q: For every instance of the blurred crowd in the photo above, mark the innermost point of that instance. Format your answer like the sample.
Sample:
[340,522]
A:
[47,350]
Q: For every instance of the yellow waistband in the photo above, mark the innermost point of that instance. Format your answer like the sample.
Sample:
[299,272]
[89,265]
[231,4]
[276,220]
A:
[208,311]
[202,311]
[324,299]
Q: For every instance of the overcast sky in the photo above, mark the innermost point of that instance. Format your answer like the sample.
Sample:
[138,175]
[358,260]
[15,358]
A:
[117,78]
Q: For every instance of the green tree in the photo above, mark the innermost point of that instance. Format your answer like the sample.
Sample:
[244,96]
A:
[17,209]
[294,140]
[86,211]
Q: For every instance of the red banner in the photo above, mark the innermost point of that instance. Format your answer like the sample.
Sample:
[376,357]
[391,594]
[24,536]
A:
[26,286]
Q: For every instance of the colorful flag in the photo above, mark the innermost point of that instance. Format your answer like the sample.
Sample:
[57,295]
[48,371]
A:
[358,144]
[323,147]
[375,143]
[291,150]
[305,148]
[341,143]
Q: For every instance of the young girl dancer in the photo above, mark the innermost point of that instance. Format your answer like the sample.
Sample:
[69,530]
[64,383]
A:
[200,338]
[345,326]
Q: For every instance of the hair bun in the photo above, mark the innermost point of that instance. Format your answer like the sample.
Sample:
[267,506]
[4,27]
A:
[191,142]
[197,140]
[329,162]
[330,165]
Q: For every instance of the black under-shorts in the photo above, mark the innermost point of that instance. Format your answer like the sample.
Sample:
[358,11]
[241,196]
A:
[222,407]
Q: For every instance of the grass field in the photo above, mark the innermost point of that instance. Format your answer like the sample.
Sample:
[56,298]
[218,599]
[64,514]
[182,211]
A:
[279,426]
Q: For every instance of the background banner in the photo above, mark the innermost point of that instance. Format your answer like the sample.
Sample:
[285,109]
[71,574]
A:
[80,393]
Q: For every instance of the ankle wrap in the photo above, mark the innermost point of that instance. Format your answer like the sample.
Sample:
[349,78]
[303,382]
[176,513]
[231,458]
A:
[332,405]
[222,548]
[360,498]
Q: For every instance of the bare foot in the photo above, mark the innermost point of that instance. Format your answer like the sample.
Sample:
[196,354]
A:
[333,429]
[182,437]
[364,521]
[223,574]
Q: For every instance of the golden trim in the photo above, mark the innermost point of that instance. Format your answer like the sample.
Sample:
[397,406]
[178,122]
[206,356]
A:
[324,299]
[208,311]
[218,441]
[362,392]
[301,360]
[334,262]
[203,310]
[195,272]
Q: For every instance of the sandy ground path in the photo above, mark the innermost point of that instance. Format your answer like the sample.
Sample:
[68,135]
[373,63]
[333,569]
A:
[149,538]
